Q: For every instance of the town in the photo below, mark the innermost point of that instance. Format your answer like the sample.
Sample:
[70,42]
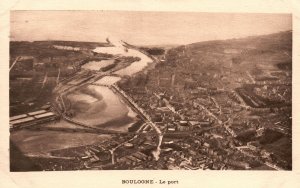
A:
[219,105]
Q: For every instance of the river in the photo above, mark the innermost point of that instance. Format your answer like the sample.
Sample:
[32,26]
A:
[100,107]
[120,49]
[97,105]
[97,65]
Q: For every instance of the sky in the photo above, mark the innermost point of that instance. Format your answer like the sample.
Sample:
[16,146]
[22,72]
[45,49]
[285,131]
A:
[142,28]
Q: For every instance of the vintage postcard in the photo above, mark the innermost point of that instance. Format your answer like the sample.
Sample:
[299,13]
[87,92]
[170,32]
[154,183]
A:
[120,90]
[116,91]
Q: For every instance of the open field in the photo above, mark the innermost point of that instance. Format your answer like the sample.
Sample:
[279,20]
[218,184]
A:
[42,142]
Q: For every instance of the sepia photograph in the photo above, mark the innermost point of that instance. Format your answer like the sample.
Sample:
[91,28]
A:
[149,90]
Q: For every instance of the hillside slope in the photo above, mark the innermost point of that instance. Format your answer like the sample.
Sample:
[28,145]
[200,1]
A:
[241,86]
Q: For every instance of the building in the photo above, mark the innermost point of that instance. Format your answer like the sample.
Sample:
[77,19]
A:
[253,145]
[21,122]
[239,164]
[140,156]
[183,126]
[128,145]
[32,118]
[204,124]
[206,145]
[37,112]
[48,115]
[171,129]
[17,117]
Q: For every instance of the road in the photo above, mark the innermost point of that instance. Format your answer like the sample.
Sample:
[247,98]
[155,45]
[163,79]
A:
[141,112]
[14,63]
[146,117]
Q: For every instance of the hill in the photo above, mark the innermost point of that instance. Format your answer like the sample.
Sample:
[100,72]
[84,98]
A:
[242,85]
